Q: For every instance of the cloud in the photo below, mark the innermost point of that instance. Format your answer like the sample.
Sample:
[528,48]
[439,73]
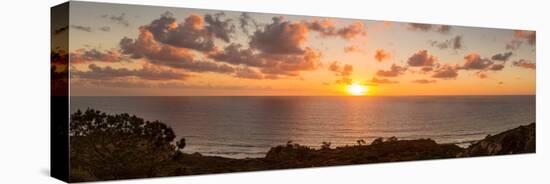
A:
[145,46]
[148,72]
[529,36]
[82,28]
[424,81]
[219,27]
[105,28]
[481,75]
[326,28]
[520,37]
[353,30]
[83,56]
[236,54]
[454,43]
[120,19]
[276,49]
[381,55]
[245,21]
[344,70]
[292,65]
[502,56]
[382,81]
[394,71]
[429,27]
[473,61]
[426,69]
[421,58]
[269,64]
[344,80]
[248,73]
[513,44]
[525,64]
[496,67]
[352,48]
[446,72]
[195,32]
[280,37]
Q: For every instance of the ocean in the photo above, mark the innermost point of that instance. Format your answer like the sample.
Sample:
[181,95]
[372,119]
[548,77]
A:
[241,127]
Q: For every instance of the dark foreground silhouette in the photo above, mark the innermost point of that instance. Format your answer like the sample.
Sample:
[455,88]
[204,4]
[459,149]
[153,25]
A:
[106,147]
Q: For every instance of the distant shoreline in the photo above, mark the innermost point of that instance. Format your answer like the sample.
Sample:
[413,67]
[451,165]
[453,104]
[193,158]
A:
[465,147]
[124,146]
[514,141]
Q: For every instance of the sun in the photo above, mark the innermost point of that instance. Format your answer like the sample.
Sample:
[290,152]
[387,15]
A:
[357,89]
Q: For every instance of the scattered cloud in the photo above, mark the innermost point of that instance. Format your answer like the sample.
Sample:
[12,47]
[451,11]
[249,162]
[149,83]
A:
[344,80]
[529,36]
[196,32]
[248,73]
[446,72]
[381,55]
[82,28]
[280,37]
[382,81]
[327,28]
[520,36]
[352,48]
[429,27]
[120,19]
[89,55]
[269,64]
[473,61]
[421,58]
[145,46]
[219,26]
[105,28]
[344,70]
[496,67]
[424,81]
[426,69]
[394,71]
[292,65]
[148,72]
[513,44]
[245,21]
[502,56]
[454,43]
[525,64]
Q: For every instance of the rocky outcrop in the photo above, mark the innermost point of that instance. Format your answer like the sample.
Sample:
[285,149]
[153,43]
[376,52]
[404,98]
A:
[514,141]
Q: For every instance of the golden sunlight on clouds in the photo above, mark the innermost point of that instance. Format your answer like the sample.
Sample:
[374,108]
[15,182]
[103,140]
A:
[203,52]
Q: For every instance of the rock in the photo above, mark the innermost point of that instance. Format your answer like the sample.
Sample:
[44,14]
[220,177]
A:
[514,141]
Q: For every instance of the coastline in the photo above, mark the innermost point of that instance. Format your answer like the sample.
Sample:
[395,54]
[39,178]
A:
[123,146]
[514,141]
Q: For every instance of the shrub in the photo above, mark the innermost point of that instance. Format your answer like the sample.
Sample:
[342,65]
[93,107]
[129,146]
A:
[118,146]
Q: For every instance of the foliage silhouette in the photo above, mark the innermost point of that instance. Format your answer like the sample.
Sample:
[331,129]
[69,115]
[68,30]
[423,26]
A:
[121,146]
[118,146]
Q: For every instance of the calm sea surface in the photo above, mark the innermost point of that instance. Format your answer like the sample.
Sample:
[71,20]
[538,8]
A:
[240,127]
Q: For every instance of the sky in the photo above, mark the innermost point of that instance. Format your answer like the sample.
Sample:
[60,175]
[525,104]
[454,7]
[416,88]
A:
[129,50]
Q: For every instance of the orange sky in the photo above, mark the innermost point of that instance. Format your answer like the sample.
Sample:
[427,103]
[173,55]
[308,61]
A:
[120,50]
